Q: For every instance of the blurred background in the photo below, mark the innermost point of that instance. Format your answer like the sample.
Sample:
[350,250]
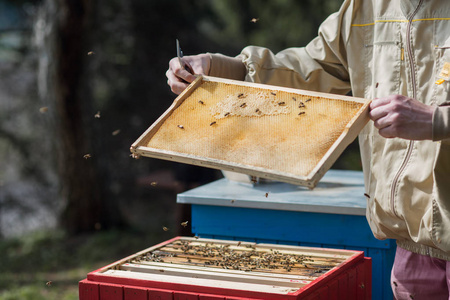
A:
[80,81]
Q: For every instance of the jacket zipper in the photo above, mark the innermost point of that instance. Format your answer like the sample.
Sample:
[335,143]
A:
[413,82]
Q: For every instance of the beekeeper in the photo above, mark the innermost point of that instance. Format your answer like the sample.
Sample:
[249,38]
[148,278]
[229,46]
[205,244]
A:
[398,54]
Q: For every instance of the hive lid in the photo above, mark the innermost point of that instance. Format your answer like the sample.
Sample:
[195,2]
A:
[265,131]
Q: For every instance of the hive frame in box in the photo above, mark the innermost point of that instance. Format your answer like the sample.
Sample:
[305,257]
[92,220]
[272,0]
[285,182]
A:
[352,129]
[349,279]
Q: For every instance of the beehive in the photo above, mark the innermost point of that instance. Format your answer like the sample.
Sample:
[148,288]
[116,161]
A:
[184,267]
[265,131]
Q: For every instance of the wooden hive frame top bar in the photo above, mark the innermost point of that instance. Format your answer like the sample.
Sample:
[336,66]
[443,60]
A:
[183,260]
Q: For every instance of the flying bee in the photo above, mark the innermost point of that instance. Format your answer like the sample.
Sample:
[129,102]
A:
[97,115]
[116,132]
[48,283]
[180,126]
[153,183]
[184,224]
[43,110]
[254,20]
[165,228]
[86,156]
[91,53]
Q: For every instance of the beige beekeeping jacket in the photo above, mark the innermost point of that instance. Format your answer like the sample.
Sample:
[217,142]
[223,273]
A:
[377,48]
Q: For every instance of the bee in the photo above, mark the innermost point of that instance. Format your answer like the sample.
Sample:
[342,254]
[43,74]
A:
[301,113]
[180,126]
[232,201]
[161,271]
[43,110]
[116,132]
[227,114]
[241,95]
[307,100]
[97,115]
[196,237]
[212,123]
[376,85]
[153,183]
[91,53]
[86,156]
[267,195]
[48,283]
[293,98]
[273,93]
[257,110]
[239,243]
[201,102]
[165,228]
[281,103]
[254,20]
[395,283]
[367,195]
[301,105]
[184,224]
[243,105]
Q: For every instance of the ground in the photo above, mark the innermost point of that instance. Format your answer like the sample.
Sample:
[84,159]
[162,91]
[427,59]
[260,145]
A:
[48,265]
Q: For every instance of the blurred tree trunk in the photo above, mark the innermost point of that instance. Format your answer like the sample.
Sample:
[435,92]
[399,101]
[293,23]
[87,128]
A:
[64,24]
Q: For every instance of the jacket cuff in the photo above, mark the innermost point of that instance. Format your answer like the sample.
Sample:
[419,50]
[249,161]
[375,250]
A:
[441,123]
[227,67]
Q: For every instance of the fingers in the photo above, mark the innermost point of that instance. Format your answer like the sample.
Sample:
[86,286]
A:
[176,84]
[178,78]
[400,116]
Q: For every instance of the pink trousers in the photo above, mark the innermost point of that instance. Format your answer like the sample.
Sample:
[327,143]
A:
[419,277]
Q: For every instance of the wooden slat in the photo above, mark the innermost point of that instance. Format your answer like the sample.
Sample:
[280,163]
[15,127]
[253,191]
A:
[247,277]
[244,286]
[261,273]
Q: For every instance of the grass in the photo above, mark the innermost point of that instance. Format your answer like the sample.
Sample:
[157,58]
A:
[48,264]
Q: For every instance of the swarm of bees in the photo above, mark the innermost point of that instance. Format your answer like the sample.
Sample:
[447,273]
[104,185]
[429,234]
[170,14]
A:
[246,258]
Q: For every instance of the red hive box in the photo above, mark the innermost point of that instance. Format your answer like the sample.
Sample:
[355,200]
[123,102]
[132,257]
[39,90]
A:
[186,268]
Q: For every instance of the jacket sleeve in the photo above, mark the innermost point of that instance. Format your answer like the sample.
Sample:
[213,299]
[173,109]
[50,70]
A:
[320,66]
[441,123]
